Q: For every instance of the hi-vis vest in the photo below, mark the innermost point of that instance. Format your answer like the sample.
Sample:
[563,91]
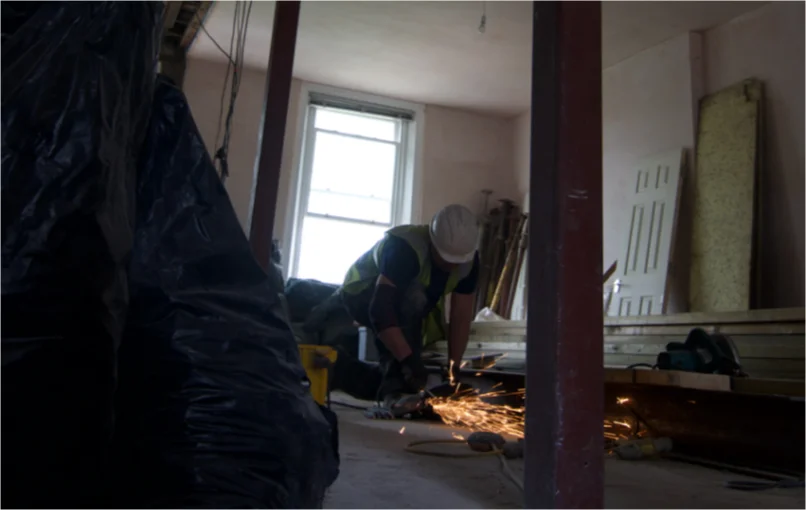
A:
[365,271]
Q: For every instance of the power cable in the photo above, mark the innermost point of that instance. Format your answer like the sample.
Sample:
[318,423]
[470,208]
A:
[243,12]
[212,39]
[412,448]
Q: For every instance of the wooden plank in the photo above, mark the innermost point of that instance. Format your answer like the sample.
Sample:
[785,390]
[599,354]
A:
[791,370]
[195,22]
[688,380]
[615,375]
[771,315]
[768,387]
[796,314]
[171,11]
[610,270]
[783,328]
[748,346]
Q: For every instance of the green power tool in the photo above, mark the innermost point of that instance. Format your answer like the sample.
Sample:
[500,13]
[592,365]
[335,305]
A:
[703,353]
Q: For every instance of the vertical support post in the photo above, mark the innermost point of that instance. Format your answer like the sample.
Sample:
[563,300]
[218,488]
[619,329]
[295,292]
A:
[272,134]
[565,375]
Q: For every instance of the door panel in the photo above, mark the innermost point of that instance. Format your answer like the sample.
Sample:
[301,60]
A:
[641,285]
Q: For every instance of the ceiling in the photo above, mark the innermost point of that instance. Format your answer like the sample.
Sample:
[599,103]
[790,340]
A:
[433,52]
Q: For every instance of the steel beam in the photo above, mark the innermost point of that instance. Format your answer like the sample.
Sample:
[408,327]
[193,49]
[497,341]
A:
[272,134]
[565,378]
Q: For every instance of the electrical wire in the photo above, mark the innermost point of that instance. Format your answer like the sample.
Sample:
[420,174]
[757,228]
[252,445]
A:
[412,448]
[212,39]
[240,23]
[645,365]
[483,21]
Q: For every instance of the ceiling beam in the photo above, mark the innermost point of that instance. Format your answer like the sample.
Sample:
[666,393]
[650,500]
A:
[171,12]
[194,24]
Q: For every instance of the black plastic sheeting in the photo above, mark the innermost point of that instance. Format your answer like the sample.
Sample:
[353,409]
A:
[305,295]
[213,411]
[77,82]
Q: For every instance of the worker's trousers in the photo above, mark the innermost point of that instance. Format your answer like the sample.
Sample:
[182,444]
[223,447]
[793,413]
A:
[366,381]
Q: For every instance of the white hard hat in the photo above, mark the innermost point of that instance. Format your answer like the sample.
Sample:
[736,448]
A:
[455,233]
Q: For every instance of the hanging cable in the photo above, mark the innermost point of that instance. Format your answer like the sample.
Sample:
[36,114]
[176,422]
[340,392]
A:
[483,22]
[230,65]
[240,23]
[204,29]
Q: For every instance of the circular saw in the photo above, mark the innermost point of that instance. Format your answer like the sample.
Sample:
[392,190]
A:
[702,353]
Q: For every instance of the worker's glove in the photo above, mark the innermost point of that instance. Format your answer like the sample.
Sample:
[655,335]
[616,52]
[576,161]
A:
[414,373]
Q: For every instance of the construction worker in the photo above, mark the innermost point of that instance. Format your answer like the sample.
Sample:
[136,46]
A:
[394,286]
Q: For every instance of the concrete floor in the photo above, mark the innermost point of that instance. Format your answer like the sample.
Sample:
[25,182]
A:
[376,472]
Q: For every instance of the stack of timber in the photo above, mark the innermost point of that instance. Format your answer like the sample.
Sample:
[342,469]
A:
[770,343]
[502,252]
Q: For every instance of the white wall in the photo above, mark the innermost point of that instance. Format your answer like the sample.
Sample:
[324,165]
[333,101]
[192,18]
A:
[647,107]
[768,44]
[650,103]
[522,125]
[203,85]
[463,152]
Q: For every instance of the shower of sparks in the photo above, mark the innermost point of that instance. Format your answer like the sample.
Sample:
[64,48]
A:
[460,437]
[470,409]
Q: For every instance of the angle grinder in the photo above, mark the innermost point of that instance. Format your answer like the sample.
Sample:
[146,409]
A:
[412,406]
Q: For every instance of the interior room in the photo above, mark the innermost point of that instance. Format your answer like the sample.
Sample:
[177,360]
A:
[453,82]
[317,254]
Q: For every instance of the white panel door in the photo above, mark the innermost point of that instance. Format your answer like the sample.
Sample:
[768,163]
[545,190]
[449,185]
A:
[640,287]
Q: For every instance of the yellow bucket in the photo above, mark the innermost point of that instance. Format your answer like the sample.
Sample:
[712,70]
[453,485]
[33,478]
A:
[318,375]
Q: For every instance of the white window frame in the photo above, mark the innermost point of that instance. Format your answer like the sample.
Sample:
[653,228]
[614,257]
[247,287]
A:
[407,204]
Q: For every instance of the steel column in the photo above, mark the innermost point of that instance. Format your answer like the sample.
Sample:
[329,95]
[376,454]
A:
[565,375]
[272,134]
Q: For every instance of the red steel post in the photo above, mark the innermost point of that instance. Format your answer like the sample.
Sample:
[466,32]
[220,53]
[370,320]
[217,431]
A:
[564,463]
[270,142]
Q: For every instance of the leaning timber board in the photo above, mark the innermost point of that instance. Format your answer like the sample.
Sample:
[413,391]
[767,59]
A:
[771,343]
[723,202]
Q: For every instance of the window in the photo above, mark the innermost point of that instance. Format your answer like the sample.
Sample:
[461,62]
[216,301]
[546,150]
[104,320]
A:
[352,184]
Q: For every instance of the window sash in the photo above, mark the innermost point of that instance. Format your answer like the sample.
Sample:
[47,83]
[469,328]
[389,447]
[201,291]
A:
[309,143]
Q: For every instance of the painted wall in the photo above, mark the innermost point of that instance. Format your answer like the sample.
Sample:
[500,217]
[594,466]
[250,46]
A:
[203,85]
[647,108]
[649,105]
[521,139]
[768,44]
[463,152]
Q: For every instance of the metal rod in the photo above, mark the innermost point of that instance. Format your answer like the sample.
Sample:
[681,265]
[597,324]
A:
[564,465]
[272,134]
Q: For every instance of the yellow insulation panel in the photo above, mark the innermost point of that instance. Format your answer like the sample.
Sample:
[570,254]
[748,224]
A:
[724,191]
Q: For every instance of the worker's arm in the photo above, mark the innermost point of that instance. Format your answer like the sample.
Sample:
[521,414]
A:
[384,316]
[459,330]
[463,299]
[399,266]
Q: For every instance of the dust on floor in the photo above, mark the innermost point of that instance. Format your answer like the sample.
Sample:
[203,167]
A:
[377,472]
